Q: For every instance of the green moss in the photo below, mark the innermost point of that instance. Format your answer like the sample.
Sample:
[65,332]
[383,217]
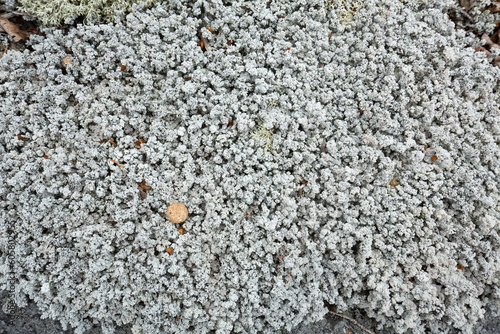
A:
[53,12]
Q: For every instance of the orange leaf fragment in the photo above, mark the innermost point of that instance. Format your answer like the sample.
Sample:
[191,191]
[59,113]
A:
[123,67]
[66,60]
[210,29]
[459,266]
[169,250]
[45,156]
[20,137]
[140,142]
[112,142]
[394,182]
[434,157]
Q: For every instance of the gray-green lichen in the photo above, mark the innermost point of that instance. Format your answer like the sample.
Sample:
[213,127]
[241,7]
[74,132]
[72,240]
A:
[265,136]
[54,12]
[345,9]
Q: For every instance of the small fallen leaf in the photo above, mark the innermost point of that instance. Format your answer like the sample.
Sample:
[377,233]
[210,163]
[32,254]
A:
[20,137]
[303,181]
[144,186]
[210,29]
[142,193]
[300,192]
[181,230]
[348,331]
[394,182]
[281,257]
[434,157]
[169,250]
[496,61]
[45,156]
[467,4]
[425,147]
[489,42]
[493,7]
[66,60]
[459,266]
[480,48]
[123,67]
[12,29]
[140,142]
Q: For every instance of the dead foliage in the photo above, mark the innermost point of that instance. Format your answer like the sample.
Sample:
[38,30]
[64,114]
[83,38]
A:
[13,30]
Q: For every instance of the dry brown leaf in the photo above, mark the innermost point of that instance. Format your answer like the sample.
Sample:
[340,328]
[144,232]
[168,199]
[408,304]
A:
[143,185]
[494,7]
[480,48]
[496,61]
[12,29]
[487,39]
[467,4]
[142,193]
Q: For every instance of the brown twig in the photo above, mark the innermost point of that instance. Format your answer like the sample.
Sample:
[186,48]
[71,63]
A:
[248,213]
[353,321]
[119,164]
